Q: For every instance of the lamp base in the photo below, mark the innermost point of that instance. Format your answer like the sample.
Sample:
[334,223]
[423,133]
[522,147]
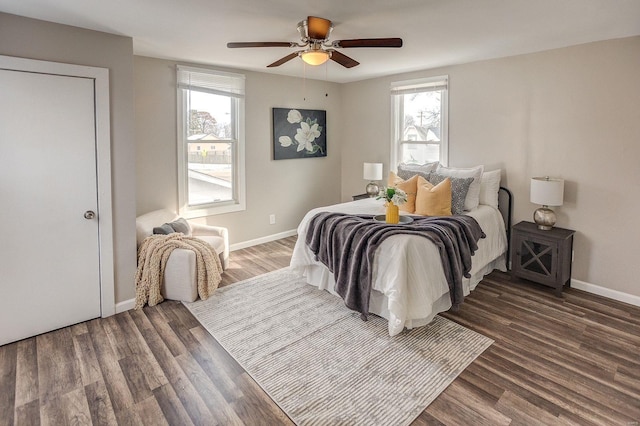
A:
[545,218]
[372,189]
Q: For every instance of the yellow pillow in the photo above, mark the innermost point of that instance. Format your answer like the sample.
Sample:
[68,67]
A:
[409,186]
[433,200]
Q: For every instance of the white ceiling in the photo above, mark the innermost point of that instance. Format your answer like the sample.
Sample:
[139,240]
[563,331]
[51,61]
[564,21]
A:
[435,32]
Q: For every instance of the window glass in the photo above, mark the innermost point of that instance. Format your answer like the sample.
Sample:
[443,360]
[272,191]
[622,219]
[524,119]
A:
[210,148]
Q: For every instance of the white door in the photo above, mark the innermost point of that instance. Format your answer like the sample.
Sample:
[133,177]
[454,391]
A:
[49,251]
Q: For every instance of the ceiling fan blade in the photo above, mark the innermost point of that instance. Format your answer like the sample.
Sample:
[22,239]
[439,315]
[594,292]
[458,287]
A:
[343,59]
[259,44]
[369,42]
[318,28]
[283,60]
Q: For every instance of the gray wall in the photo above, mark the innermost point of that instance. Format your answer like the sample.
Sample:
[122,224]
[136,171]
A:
[33,39]
[286,188]
[572,113]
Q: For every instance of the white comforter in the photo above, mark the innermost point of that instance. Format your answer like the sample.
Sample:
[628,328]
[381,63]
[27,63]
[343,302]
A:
[409,285]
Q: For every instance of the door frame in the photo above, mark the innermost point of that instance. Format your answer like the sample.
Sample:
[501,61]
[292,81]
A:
[100,77]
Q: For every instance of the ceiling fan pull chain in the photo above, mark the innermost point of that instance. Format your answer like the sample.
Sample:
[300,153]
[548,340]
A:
[326,79]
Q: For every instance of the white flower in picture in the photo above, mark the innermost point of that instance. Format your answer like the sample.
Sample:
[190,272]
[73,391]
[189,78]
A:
[294,116]
[285,141]
[306,135]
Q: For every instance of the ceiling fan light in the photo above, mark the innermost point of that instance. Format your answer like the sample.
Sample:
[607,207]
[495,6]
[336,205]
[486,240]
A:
[315,57]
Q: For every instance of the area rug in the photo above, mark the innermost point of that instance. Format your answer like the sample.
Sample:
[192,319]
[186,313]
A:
[322,364]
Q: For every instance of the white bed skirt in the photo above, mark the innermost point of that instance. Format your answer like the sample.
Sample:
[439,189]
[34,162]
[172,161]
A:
[319,276]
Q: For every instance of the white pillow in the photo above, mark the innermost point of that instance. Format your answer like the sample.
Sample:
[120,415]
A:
[489,188]
[473,196]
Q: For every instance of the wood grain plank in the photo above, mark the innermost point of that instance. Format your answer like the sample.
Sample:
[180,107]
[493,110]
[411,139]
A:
[8,368]
[491,391]
[134,373]
[116,336]
[141,356]
[27,414]
[27,389]
[87,360]
[451,411]
[191,400]
[208,391]
[255,406]
[80,328]
[100,407]
[114,380]
[58,369]
[221,368]
[171,407]
[521,411]
[150,413]
[188,395]
[477,401]
[185,318]
[553,388]
[164,330]
[426,419]
[484,369]
[70,408]
[162,354]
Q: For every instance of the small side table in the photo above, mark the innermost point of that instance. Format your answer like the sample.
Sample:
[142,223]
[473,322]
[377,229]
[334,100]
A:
[541,256]
[360,197]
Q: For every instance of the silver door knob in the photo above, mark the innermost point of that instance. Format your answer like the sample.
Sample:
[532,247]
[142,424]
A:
[89,214]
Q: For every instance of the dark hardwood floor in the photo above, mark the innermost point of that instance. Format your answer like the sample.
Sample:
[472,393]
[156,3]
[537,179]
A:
[574,360]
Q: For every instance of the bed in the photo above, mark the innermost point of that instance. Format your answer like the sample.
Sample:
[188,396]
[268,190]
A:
[408,281]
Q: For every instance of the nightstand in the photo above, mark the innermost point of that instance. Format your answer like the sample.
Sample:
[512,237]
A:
[360,197]
[542,256]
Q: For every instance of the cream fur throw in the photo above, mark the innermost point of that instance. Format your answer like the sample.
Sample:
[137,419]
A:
[152,259]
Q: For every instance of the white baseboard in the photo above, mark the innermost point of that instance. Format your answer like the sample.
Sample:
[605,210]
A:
[606,292]
[125,306]
[262,240]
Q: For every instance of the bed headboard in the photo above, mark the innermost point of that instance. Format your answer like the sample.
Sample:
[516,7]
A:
[505,205]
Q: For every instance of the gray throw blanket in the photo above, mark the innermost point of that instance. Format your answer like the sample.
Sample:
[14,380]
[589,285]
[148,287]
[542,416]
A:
[346,244]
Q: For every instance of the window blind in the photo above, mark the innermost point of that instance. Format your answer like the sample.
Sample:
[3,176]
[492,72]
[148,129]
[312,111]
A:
[420,85]
[214,82]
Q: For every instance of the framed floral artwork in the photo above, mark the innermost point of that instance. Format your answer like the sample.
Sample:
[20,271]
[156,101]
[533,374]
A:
[299,133]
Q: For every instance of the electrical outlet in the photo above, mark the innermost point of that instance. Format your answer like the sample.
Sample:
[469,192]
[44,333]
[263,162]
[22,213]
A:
[272,219]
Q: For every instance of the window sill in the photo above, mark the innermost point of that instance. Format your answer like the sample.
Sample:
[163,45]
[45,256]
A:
[196,212]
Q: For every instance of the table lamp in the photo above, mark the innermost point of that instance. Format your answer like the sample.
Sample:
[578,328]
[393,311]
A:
[547,192]
[372,172]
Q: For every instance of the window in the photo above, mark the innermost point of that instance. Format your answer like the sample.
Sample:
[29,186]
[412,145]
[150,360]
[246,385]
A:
[210,142]
[419,121]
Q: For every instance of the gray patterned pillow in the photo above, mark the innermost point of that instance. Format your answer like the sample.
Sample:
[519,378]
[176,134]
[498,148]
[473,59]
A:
[179,225]
[459,189]
[407,171]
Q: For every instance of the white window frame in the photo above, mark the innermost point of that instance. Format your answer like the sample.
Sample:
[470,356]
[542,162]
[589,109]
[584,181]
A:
[400,88]
[219,83]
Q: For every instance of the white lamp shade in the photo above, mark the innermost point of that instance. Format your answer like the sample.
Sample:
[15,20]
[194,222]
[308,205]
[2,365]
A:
[547,191]
[372,171]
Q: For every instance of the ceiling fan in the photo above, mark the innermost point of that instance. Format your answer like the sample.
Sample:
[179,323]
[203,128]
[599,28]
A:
[314,36]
